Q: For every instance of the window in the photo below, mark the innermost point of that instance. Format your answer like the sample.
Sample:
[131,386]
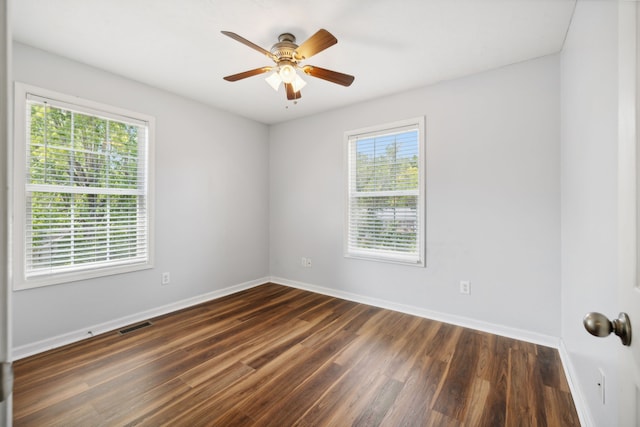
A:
[82,189]
[385,206]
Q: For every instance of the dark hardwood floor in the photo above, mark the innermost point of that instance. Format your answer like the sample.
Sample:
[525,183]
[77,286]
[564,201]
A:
[277,356]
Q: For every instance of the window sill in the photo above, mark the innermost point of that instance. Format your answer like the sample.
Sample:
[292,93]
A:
[411,262]
[62,278]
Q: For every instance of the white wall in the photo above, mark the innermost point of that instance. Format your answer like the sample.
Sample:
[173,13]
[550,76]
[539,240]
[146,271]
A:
[589,156]
[211,211]
[493,199]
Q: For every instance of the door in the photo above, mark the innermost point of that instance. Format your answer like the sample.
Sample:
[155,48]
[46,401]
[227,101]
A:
[627,378]
[629,208]
[5,129]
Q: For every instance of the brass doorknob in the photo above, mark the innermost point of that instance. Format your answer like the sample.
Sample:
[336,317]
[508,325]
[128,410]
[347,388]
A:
[597,324]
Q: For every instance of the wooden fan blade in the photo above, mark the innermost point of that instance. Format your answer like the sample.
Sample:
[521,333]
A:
[245,74]
[328,75]
[291,95]
[248,43]
[314,44]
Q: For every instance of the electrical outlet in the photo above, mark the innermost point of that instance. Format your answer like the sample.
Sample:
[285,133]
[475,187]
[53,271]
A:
[601,385]
[465,287]
[308,263]
[166,278]
[303,261]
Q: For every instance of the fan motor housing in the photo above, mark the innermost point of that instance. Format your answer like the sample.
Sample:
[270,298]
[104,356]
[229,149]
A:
[284,49]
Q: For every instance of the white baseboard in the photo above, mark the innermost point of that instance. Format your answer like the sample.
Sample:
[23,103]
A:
[515,333]
[71,337]
[578,397]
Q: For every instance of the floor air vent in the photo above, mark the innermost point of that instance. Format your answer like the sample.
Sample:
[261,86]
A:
[135,327]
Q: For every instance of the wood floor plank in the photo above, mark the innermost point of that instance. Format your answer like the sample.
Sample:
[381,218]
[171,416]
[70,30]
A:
[520,408]
[294,374]
[353,395]
[292,405]
[382,400]
[413,406]
[497,374]
[361,357]
[191,401]
[550,368]
[147,402]
[559,407]
[236,395]
[478,398]
[413,347]
[444,342]
[277,356]
[454,394]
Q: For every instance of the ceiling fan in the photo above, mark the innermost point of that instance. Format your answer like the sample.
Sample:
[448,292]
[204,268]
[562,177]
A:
[287,56]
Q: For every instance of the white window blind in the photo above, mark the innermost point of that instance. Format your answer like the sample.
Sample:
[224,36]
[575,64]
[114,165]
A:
[385,193]
[86,190]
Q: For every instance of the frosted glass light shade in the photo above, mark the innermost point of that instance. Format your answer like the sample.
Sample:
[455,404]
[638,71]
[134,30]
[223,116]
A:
[274,81]
[298,83]
[287,73]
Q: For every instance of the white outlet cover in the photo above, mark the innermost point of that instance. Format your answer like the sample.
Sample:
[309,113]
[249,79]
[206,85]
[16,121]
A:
[166,278]
[465,287]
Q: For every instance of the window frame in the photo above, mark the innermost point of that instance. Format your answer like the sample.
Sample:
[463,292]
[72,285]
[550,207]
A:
[20,180]
[390,256]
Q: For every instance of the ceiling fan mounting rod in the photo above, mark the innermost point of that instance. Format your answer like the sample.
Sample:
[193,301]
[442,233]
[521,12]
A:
[287,37]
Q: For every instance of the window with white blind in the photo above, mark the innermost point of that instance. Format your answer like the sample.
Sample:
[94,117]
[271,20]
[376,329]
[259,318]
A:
[386,193]
[82,189]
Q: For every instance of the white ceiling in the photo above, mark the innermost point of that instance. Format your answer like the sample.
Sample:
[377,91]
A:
[388,45]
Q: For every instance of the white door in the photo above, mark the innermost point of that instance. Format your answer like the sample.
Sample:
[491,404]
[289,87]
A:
[628,237]
[5,345]
[629,208]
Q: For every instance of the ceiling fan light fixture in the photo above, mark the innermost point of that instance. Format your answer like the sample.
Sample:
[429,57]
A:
[286,55]
[274,81]
[287,73]
[298,83]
